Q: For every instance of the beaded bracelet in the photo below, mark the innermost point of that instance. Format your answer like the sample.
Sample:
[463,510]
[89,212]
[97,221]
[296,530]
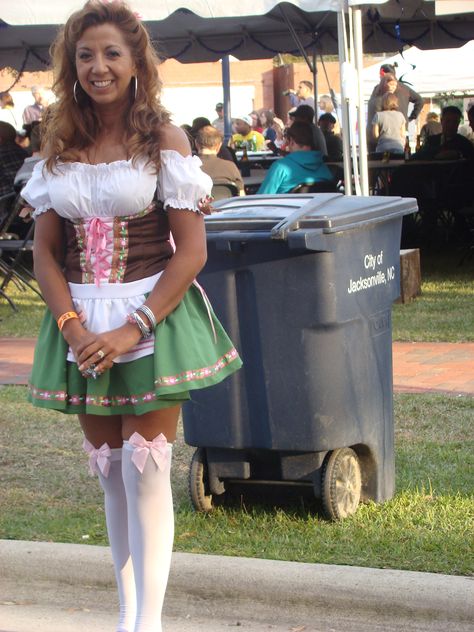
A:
[64,318]
[146,311]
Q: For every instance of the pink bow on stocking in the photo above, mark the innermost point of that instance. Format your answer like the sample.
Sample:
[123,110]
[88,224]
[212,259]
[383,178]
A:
[98,458]
[158,449]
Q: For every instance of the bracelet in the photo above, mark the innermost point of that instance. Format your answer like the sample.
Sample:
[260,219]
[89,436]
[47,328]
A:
[64,318]
[135,319]
[146,311]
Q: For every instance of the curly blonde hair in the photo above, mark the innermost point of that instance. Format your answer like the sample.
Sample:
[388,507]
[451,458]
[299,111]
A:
[71,126]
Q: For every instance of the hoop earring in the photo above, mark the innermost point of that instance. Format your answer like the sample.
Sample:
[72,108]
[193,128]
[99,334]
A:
[135,88]
[74,92]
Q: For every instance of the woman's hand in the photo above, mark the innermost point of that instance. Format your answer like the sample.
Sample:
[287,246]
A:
[98,351]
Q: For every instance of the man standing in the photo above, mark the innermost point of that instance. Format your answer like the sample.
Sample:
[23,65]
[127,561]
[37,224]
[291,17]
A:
[208,142]
[303,94]
[303,164]
[35,111]
[218,123]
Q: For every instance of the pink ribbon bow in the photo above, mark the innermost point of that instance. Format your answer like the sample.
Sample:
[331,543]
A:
[98,458]
[158,449]
[97,231]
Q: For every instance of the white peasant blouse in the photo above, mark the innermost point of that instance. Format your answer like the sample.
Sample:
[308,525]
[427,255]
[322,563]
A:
[78,190]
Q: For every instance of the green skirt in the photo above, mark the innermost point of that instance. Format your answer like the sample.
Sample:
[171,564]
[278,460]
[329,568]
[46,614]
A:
[187,356]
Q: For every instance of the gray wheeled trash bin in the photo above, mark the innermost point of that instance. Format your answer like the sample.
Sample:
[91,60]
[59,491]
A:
[304,285]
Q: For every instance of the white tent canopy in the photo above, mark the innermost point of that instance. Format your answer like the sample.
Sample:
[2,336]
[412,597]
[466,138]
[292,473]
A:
[205,30]
[429,72]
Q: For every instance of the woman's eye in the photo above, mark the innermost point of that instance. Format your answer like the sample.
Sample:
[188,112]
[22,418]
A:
[83,56]
[114,53]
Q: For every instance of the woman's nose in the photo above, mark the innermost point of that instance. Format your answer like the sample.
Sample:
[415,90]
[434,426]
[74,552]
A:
[99,66]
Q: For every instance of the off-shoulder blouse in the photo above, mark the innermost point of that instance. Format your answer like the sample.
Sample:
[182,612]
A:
[78,190]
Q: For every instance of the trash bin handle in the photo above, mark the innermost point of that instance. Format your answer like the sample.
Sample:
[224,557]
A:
[291,222]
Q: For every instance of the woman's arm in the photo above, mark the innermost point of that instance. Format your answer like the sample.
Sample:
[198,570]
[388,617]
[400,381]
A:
[48,253]
[375,130]
[189,234]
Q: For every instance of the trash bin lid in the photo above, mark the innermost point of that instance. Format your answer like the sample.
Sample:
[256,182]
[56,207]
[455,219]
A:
[281,214]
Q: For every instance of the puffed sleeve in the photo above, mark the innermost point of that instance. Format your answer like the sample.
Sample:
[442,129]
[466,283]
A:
[181,182]
[35,191]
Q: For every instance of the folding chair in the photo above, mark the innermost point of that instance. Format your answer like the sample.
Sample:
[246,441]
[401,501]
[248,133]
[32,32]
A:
[224,190]
[12,252]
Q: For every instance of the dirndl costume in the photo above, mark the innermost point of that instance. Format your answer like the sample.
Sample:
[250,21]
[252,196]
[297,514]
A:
[117,246]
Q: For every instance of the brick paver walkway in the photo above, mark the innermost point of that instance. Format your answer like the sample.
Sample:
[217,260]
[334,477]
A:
[417,366]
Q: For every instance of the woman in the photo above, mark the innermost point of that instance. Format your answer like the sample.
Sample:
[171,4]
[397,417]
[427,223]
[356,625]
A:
[106,267]
[389,126]
[256,122]
[7,110]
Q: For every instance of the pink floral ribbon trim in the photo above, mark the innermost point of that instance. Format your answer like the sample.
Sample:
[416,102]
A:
[98,458]
[158,449]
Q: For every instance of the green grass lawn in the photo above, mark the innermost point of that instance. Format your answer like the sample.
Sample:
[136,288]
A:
[428,526]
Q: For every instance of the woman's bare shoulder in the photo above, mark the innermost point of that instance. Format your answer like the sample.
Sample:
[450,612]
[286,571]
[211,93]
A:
[173,137]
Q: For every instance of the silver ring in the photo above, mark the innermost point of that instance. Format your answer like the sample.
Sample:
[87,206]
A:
[101,354]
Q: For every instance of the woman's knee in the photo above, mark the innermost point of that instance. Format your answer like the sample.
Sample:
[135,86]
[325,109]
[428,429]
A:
[100,429]
[150,425]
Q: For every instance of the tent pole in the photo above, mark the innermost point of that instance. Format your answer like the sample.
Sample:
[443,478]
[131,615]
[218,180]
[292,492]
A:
[226,88]
[358,59]
[314,70]
[344,111]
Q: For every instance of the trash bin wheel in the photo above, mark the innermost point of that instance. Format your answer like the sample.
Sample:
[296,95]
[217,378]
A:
[341,483]
[198,483]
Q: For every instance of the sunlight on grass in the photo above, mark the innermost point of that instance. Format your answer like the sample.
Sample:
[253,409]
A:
[427,526]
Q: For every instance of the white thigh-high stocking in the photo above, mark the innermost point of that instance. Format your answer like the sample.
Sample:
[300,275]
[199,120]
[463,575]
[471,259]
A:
[107,463]
[146,475]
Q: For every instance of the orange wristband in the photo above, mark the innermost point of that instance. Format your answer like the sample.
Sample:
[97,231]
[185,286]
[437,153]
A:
[64,318]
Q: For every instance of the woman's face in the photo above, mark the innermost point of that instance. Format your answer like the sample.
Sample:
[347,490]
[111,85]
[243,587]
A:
[263,119]
[104,65]
[391,86]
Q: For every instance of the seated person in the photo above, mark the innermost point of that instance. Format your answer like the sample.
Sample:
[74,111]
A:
[201,121]
[305,114]
[449,145]
[389,126]
[245,135]
[208,142]
[431,127]
[24,172]
[468,129]
[11,157]
[326,124]
[303,164]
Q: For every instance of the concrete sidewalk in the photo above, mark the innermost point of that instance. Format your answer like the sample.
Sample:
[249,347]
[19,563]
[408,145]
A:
[70,588]
[437,367]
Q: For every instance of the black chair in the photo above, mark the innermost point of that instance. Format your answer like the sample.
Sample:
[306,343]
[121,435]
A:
[224,190]
[325,186]
[7,210]
[14,246]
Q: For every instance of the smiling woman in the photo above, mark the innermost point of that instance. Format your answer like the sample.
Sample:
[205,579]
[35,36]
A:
[128,332]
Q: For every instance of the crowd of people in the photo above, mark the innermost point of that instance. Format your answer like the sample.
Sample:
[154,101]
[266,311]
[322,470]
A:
[391,107]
